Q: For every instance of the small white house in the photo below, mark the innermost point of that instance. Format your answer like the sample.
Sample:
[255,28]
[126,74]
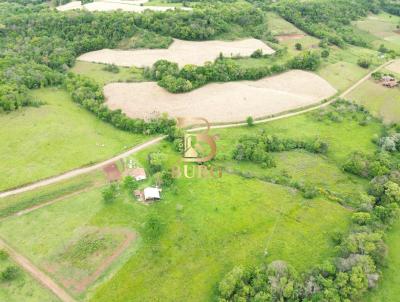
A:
[151,193]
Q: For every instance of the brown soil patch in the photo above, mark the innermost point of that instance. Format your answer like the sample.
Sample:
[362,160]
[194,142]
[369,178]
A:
[395,66]
[181,52]
[112,172]
[222,102]
[282,38]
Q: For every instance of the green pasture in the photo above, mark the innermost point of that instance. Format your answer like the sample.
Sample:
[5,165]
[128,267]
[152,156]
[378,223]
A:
[54,138]
[381,101]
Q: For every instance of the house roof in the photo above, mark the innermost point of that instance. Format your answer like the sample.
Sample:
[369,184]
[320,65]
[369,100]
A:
[137,173]
[151,193]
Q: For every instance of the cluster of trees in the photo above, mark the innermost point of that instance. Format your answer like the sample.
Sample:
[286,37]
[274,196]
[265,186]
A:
[383,161]
[342,110]
[391,7]
[175,80]
[89,94]
[368,166]
[361,253]
[390,141]
[257,148]
[38,44]
[327,20]
[204,22]
[355,270]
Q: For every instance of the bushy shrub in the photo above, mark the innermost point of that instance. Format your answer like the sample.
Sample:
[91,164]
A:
[111,68]
[250,121]
[130,183]
[366,166]
[364,63]
[10,273]
[110,193]
[307,61]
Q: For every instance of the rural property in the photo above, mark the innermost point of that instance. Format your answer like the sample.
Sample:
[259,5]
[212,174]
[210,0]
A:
[199,150]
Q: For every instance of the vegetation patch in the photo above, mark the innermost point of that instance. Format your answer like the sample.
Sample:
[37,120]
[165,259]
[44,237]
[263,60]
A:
[85,258]
[17,285]
[381,101]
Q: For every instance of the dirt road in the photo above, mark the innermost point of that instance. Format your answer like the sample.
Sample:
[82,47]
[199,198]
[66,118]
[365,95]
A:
[80,171]
[152,142]
[36,273]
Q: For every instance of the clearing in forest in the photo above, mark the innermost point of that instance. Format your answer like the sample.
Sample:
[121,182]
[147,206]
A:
[181,52]
[222,102]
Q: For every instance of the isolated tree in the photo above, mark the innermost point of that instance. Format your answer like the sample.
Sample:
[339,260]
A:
[109,193]
[299,46]
[250,121]
[325,53]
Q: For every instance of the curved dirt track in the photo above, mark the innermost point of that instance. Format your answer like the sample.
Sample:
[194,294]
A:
[180,51]
[36,273]
[222,102]
[152,142]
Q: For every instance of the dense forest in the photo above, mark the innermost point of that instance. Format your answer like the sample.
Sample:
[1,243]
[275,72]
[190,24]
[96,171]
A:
[39,44]
[328,20]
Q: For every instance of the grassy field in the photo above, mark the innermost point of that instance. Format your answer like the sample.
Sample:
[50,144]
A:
[211,225]
[23,288]
[96,72]
[279,26]
[342,138]
[380,29]
[388,289]
[208,225]
[54,138]
[381,101]
[71,248]
[13,204]
[163,3]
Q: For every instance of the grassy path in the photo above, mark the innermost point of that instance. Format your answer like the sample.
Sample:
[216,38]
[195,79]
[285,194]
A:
[152,142]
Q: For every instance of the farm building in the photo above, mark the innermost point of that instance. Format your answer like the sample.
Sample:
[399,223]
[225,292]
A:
[151,193]
[389,81]
[137,173]
[148,194]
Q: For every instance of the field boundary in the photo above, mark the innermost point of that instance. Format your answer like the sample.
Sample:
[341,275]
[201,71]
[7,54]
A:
[152,142]
[36,273]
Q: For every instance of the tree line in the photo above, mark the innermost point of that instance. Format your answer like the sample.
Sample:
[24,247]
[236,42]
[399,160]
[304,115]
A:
[175,80]
[257,148]
[361,252]
[43,43]
[38,45]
